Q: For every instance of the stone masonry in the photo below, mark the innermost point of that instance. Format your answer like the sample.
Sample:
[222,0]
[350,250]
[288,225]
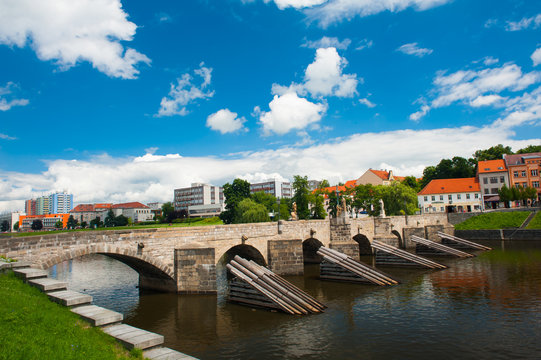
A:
[285,257]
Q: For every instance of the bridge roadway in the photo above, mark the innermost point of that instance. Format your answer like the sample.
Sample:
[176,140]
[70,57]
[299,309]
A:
[184,259]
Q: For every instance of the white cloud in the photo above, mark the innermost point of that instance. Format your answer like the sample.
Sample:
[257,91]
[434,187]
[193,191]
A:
[367,102]
[489,60]
[536,57]
[532,22]
[297,4]
[414,49]
[7,137]
[326,42]
[225,121]
[324,76]
[185,92]
[289,112]
[478,88]
[69,32]
[334,11]
[154,177]
[364,44]
[6,97]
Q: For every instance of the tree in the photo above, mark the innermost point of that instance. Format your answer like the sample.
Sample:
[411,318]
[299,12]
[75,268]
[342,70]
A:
[429,173]
[412,182]
[16,226]
[530,193]
[399,199]
[4,226]
[37,225]
[95,223]
[72,223]
[251,212]
[121,220]
[110,219]
[317,210]
[367,197]
[457,167]
[324,184]
[59,224]
[84,225]
[530,149]
[492,153]
[506,195]
[267,200]
[167,209]
[234,193]
[301,197]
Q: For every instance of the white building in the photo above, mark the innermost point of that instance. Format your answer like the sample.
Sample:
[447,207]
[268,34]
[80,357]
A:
[492,176]
[450,195]
[198,194]
[277,188]
[12,218]
[134,210]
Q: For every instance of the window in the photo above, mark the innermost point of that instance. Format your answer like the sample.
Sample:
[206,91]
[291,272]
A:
[485,180]
[477,196]
[450,197]
[535,184]
[502,179]
[494,190]
[468,196]
[523,173]
[458,196]
[515,173]
[441,197]
[534,172]
[441,209]
[433,198]
[494,180]
[486,191]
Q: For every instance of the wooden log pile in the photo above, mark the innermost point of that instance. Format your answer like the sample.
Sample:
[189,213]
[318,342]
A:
[256,285]
[393,256]
[459,243]
[340,267]
[428,247]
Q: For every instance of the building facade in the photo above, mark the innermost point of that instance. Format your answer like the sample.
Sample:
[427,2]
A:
[60,203]
[42,205]
[524,170]
[198,194]
[492,175]
[450,195]
[277,188]
[134,210]
[48,220]
[12,218]
[30,207]
[378,177]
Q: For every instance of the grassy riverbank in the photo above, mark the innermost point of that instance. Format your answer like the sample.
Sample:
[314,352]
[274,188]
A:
[33,327]
[536,222]
[197,222]
[494,221]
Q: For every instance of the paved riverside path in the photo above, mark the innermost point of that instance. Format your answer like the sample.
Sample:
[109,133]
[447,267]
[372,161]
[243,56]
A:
[110,321]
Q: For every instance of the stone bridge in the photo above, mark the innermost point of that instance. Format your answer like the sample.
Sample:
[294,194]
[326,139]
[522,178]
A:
[184,259]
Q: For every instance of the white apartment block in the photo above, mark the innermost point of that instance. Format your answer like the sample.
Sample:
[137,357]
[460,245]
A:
[198,194]
[450,195]
[277,188]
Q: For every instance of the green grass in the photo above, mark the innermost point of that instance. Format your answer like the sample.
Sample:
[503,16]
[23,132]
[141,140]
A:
[536,222]
[201,222]
[33,327]
[494,220]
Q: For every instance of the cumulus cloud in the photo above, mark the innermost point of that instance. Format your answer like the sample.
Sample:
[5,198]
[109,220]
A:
[525,23]
[326,42]
[225,121]
[289,112]
[334,11]
[489,60]
[68,32]
[536,57]
[7,97]
[185,92]
[414,49]
[367,102]
[324,76]
[152,177]
[297,4]
[478,88]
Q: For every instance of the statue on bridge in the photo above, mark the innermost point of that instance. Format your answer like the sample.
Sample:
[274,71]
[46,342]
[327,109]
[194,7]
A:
[294,216]
[382,206]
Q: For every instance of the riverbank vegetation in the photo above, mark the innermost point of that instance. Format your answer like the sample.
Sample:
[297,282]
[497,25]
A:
[536,222]
[33,327]
[494,221]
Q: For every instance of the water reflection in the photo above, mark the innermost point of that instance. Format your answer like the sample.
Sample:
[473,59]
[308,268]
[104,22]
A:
[486,307]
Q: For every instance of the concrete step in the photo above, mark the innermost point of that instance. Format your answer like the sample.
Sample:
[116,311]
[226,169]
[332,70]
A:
[30,273]
[163,353]
[132,337]
[98,316]
[13,265]
[70,298]
[47,284]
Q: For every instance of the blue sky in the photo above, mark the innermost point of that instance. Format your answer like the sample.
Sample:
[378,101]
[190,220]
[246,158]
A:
[125,101]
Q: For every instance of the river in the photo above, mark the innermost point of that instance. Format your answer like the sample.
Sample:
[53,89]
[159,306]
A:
[487,307]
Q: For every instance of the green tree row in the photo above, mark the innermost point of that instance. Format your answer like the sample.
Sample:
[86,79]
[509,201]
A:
[517,194]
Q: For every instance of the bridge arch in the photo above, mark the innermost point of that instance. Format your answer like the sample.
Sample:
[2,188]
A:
[153,274]
[246,251]
[365,247]
[310,247]
[397,234]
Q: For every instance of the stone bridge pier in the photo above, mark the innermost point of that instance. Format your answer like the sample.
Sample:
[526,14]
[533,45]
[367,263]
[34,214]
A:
[186,260]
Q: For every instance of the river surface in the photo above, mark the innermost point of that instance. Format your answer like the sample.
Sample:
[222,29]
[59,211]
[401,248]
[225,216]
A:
[487,307]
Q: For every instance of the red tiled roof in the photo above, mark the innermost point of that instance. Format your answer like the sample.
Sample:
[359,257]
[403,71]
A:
[445,186]
[103,206]
[350,183]
[491,166]
[130,205]
[384,175]
[516,159]
[83,208]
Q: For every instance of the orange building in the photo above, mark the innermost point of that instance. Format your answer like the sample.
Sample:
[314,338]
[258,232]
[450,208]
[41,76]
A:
[524,170]
[49,221]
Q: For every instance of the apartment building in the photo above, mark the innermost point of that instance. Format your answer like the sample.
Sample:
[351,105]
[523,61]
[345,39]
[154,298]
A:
[492,175]
[49,221]
[524,170]
[277,188]
[200,200]
[30,207]
[450,195]
[134,210]
[12,218]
